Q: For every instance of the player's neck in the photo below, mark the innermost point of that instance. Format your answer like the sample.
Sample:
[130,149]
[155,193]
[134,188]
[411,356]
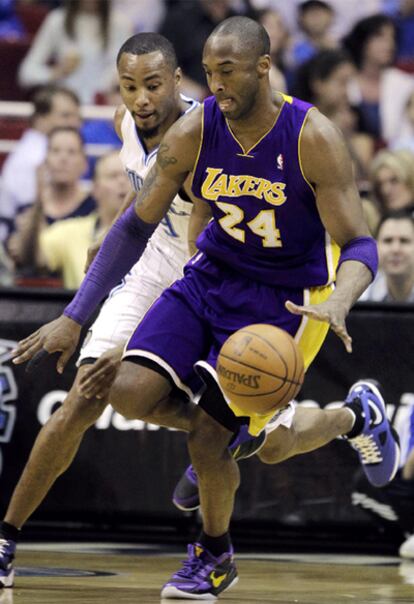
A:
[259,120]
[151,142]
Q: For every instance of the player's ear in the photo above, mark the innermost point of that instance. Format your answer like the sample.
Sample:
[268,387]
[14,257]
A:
[178,74]
[263,65]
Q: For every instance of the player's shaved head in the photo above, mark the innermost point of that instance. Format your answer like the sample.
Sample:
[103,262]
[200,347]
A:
[249,36]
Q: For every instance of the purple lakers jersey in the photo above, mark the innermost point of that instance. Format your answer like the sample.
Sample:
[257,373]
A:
[266,224]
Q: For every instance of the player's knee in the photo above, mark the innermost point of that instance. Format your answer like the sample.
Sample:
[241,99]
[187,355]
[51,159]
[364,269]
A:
[79,412]
[279,446]
[132,398]
[208,442]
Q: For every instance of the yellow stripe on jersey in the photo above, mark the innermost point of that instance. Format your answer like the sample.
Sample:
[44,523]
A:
[332,252]
[309,337]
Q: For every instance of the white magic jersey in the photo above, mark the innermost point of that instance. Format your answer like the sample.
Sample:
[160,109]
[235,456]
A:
[160,265]
[173,229]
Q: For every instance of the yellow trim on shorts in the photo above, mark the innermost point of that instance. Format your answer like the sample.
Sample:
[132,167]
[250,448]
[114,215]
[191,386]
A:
[309,337]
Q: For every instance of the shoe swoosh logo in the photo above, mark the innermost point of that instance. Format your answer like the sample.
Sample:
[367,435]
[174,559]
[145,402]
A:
[217,581]
[377,414]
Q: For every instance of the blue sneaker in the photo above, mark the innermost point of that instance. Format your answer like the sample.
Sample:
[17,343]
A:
[7,551]
[202,576]
[378,444]
[186,497]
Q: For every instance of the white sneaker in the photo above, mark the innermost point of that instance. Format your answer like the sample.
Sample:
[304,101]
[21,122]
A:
[407,548]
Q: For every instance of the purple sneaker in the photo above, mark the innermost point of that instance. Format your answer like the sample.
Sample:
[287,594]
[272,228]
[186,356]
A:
[186,497]
[202,576]
[378,444]
[7,551]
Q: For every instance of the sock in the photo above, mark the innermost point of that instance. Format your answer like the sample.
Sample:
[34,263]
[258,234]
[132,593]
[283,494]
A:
[9,532]
[216,545]
[356,410]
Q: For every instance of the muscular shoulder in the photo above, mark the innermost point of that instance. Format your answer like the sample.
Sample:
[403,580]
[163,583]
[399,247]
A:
[323,151]
[118,117]
[181,143]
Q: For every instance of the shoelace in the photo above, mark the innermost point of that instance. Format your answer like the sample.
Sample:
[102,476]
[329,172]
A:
[191,567]
[368,448]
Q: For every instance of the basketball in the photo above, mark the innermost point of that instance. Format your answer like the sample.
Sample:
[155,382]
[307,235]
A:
[260,368]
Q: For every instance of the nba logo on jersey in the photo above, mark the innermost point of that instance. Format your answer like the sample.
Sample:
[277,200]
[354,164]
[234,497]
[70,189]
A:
[280,161]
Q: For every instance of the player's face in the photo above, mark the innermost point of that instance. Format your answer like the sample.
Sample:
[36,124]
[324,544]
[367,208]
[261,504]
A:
[396,247]
[232,76]
[65,160]
[148,88]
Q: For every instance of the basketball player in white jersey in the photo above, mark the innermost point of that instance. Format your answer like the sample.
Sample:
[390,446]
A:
[149,82]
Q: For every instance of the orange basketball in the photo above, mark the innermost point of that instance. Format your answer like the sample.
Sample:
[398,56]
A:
[260,368]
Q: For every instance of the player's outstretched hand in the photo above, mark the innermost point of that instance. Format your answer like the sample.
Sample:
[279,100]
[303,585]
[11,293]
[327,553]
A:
[97,380]
[330,312]
[60,335]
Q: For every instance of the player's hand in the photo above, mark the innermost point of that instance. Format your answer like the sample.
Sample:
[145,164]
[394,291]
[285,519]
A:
[98,378]
[61,335]
[330,312]
[93,249]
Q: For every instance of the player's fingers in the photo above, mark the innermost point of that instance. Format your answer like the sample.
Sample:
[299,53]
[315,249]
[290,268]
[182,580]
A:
[24,345]
[104,373]
[100,367]
[63,359]
[342,333]
[33,336]
[294,308]
[26,353]
[307,311]
[36,360]
[97,387]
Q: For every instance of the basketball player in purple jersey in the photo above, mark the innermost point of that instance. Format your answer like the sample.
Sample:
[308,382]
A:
[286,214]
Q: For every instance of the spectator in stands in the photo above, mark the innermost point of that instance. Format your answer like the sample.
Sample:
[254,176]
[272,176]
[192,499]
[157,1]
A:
[315,19]
[187,26]
[82,39]
[63,246]
[392,176]
[405,140]
[395,280]
[392,506]
[60,195]
[324,81]
[379,90]
[53,107]
[278,34]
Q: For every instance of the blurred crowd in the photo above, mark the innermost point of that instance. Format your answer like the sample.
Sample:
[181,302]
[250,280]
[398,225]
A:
[354,60]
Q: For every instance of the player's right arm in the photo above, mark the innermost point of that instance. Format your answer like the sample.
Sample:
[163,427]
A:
[124,243]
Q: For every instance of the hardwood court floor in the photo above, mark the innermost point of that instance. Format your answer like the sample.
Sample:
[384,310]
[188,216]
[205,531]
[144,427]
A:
[92,574]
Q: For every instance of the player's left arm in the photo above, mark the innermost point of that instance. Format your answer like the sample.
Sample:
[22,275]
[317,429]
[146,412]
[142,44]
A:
[327,166]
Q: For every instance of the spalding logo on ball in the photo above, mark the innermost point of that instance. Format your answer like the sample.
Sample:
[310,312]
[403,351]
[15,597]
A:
[260,368]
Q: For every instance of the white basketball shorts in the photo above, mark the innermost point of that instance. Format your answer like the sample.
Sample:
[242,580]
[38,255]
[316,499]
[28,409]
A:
[128,302]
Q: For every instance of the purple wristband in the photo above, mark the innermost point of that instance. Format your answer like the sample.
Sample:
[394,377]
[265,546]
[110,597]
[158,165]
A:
[120,250]
[361,249]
